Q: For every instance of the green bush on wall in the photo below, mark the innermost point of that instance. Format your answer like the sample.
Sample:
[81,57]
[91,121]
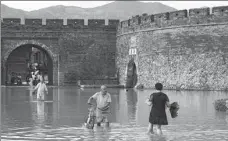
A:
[220,105]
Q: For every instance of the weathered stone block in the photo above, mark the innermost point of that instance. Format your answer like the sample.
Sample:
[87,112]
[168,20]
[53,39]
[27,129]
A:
[220,11]
[12,20]
[135,20]
[198,12]
[96,22]
[54,22]
[113,22]
[33,21]
[75,22]
[182,14]
[145,18]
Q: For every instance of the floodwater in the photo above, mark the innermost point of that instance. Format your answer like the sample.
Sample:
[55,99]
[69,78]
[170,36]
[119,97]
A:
[61,117]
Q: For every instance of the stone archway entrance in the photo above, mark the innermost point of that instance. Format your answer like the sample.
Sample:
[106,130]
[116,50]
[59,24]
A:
[22,60]
[131,74]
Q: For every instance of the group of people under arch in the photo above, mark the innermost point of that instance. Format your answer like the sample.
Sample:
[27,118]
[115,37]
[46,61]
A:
[32,78]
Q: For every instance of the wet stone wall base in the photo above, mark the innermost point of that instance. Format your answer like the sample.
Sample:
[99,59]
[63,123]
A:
[190,57]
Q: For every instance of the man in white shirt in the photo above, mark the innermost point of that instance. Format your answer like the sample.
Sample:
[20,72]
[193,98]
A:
[103,100]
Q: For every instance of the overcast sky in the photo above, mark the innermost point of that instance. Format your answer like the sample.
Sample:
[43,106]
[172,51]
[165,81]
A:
[34,5]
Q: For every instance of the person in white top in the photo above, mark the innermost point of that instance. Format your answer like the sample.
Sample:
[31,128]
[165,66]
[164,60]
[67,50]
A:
[103,100]
[36,72]
[41,89]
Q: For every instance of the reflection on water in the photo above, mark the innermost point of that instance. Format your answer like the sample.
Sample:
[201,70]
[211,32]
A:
[61,116]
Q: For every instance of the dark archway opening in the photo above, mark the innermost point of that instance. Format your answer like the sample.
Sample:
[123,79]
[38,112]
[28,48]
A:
[131,74]
[23,60]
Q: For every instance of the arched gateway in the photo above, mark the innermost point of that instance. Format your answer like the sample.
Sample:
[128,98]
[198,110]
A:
[19,60]
[71,47]
[131,74]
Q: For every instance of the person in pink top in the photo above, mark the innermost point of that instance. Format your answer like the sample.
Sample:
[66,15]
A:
[41,89]
[103,100]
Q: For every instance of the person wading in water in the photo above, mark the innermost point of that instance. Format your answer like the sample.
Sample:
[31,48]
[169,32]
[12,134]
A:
[158,116]
[41,89]
[103,100]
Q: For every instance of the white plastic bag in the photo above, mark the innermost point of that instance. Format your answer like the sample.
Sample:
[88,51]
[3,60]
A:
[148,102]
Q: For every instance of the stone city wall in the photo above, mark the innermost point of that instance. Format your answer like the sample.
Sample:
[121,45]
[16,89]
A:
[181,49]
[79,50]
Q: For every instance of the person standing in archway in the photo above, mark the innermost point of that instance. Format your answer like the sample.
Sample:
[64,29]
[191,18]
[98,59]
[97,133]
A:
[12,80]
[33,79]
[158,116]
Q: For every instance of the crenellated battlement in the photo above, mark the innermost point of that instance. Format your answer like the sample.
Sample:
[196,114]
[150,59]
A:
[175,18]
[139,22]
[57,23]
